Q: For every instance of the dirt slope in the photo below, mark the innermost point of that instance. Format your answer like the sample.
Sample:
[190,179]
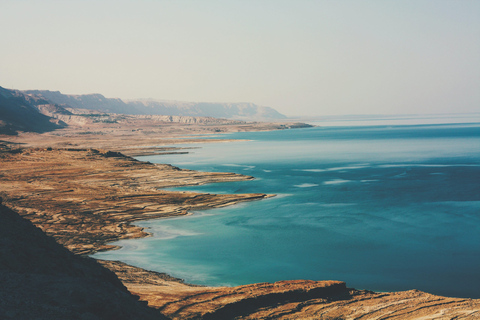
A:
[40,279]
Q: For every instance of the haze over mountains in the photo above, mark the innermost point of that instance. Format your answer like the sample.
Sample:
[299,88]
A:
[237,111]
[42,110]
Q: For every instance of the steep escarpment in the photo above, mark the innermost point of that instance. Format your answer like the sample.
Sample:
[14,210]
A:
[40,279]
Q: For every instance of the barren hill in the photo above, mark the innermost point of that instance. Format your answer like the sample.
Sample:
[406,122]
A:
[17,113]
[40,279]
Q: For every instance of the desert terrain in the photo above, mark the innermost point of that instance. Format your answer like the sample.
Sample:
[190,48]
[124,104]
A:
[81,186]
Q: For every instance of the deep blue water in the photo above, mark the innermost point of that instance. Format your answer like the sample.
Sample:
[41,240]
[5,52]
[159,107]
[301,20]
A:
[384,208]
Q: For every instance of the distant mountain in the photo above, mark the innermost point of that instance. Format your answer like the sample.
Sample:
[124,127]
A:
[238,111]
[18,113]
[87,101]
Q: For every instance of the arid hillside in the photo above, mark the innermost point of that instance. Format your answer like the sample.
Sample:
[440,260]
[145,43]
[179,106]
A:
[40,279]
[17,113]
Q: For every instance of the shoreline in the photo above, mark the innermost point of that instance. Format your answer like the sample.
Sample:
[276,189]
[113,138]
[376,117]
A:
[111,191]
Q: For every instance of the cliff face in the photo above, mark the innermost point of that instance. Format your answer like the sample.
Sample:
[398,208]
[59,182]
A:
[17,113]
[40,279]
[238,111]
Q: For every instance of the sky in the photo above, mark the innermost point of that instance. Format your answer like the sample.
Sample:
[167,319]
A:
[301,57]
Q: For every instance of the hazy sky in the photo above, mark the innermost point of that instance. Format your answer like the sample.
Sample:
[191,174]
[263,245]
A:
[300,57]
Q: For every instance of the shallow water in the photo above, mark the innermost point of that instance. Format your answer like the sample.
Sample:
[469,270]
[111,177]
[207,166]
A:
[384,208]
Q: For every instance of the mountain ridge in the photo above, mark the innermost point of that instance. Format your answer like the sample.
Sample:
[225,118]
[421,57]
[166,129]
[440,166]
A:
[18,112]
[96,101]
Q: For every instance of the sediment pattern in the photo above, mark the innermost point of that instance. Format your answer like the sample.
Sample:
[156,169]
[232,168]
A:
[87,198]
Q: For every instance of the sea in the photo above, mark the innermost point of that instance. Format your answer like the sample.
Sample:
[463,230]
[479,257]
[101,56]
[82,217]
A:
[382,203]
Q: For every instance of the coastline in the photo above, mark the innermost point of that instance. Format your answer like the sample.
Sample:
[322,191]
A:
[112,191]
[111,187]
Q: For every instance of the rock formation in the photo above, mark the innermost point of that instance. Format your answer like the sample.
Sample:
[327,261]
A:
[298,299]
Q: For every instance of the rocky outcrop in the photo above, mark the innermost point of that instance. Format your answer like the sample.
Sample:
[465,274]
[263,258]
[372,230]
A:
[241,301]
[52,110]
[189,119]
[298,299]
[40,279]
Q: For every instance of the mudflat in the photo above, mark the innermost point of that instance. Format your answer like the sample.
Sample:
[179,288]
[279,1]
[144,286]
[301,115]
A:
[79,186]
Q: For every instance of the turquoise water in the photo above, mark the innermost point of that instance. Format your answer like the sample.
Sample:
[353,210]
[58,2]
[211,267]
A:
[381,207]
